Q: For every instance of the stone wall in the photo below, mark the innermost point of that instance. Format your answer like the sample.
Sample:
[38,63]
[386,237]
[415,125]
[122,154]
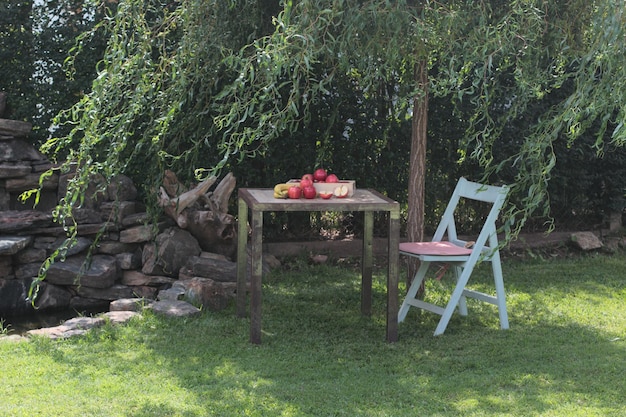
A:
[131,258]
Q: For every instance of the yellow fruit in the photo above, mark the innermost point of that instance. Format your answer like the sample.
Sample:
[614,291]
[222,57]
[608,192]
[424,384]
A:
[281,190]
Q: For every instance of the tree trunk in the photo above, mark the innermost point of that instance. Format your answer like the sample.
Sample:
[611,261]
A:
[417,164]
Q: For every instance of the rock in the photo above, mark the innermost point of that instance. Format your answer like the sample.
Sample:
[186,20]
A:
[87,216]
[5,200]
[79,303]
[9,127]
[29,270]
[13,220]
[101,272]
[117,211]
[13,297]
[52,297]
[174,308]
[14,170]
[171,294]
[137,234]
[586,241]
[31,255]
[119,317]
[129,304]
[10,245]
[73,327]
[217,267]
[170,252]
[319,259]
[115,292]
[136,278]
[15,150]
[122,188]
[209,293]
[111,247]
[6,267]
[30,182]
[79,245]
[128,261]
[12,338]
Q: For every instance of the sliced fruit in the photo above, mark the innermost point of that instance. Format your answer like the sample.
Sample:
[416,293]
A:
[326,194]
[341,191]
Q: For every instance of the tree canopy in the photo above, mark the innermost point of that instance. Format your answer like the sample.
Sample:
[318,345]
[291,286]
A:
[202,84]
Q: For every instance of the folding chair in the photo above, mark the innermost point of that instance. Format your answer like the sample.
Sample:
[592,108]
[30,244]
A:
[461,255]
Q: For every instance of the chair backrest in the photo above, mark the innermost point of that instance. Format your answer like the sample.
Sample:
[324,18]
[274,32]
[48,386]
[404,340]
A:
[496,195]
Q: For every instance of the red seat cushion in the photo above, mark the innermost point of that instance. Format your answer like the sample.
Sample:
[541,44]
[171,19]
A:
[434,248]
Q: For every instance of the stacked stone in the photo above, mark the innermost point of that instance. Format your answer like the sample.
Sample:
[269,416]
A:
[90,276]
[134,261]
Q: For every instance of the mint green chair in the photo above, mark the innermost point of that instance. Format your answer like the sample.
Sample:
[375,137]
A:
[462,256]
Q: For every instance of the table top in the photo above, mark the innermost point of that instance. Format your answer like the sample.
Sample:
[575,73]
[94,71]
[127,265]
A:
[262,199]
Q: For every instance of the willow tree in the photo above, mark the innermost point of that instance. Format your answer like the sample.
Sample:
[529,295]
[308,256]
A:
[199,84]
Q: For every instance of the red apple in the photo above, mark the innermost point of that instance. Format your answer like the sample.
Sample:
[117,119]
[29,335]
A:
[307,177]
[326,195]
[332,178]
[309,192]
[319,175]
[294,192]
[306,182]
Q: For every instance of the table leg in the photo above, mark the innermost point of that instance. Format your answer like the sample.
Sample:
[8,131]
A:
[366,264]
[256,276]
[392,275]
[242,257]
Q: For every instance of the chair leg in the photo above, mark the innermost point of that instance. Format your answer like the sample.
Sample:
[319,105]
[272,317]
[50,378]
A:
[496,267]
[454,301]
[412,292]
[462,300]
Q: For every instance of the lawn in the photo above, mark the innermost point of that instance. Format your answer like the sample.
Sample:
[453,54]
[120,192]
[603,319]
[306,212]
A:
[565,354]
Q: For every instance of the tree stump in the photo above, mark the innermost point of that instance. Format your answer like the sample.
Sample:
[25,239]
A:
[201,212]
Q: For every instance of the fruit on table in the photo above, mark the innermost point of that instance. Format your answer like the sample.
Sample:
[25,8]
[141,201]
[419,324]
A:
[294,192]
[319,175]
[341,191]
[309,192]
[307,177]
[306,182]
[281,190]
[332,178]
[326,194]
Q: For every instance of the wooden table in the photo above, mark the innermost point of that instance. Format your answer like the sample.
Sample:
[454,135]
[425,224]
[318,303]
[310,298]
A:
[258,201]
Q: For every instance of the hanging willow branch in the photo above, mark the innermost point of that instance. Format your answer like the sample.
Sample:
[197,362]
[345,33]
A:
[196,85]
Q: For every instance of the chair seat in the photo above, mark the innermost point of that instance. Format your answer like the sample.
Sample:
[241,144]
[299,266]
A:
[442,248]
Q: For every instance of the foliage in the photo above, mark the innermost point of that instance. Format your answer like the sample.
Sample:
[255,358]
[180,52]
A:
[564,354]
[16,58]
[331,83]
[33,73]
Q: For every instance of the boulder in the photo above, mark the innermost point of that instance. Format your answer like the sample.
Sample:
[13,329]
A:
[169,253]
[215,296]
[101,272]
[52,297]
[14,297]
[586,241]
[122,188]
[174,308]
[10,245]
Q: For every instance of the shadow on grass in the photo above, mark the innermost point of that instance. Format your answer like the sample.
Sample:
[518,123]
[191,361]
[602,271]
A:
[320,357]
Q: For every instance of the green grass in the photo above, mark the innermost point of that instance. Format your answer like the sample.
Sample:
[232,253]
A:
[565,354]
